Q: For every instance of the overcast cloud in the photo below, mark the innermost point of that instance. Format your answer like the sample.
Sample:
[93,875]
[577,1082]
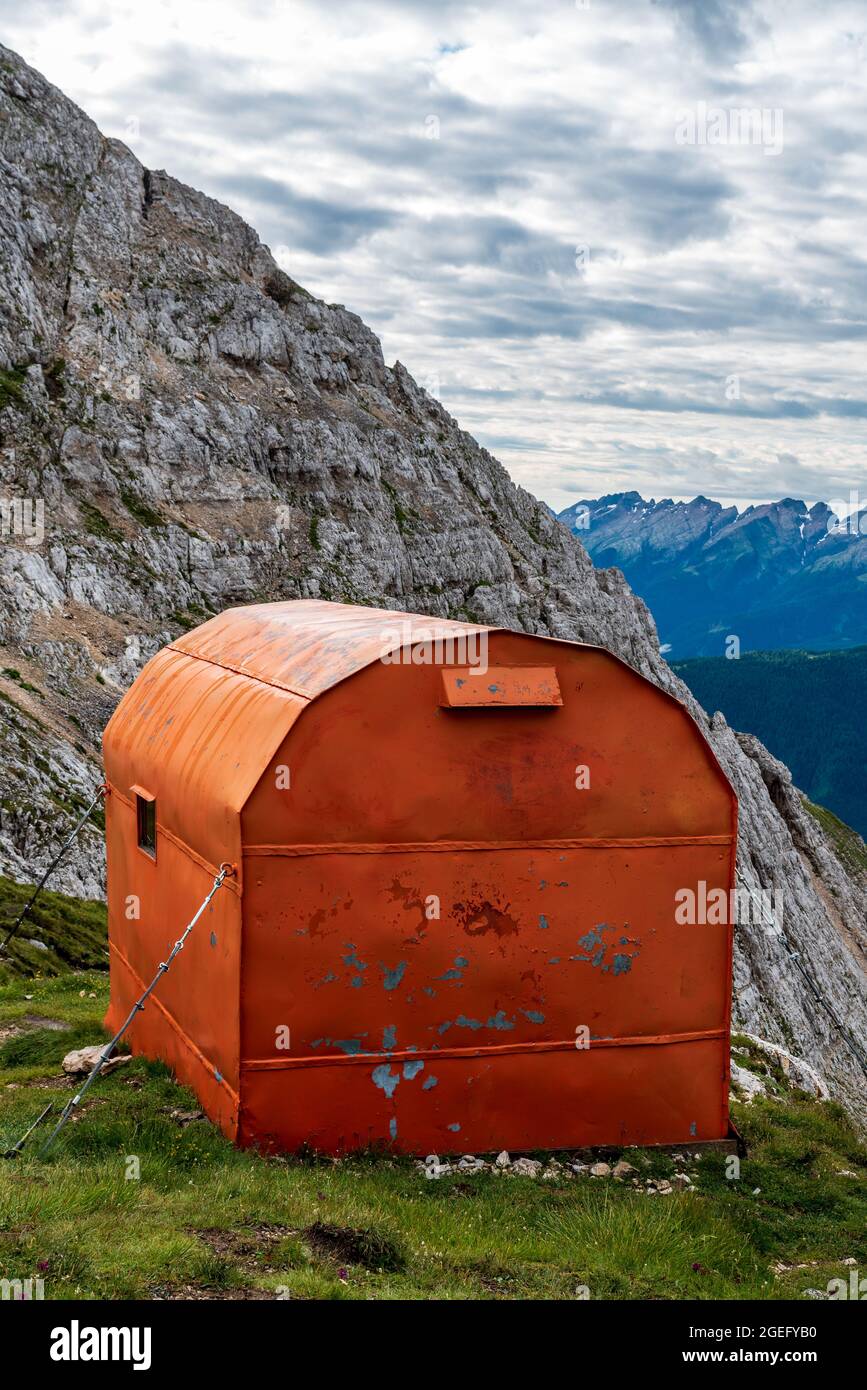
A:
[560,216]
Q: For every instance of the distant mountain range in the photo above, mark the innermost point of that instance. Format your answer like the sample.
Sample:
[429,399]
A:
[808,708]
[777,576]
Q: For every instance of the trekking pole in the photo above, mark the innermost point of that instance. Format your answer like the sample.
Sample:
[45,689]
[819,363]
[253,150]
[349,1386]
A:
[225,871]
[16,1148]
[103,791]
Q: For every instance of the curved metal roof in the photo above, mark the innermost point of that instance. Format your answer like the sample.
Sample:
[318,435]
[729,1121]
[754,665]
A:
[307,645]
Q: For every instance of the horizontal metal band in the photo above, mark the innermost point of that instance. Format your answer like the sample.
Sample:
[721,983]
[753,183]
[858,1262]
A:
[443,1054]
[458,846]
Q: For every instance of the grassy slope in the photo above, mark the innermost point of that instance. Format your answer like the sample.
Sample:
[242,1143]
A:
[206,1221]
[807,707]
[73,930]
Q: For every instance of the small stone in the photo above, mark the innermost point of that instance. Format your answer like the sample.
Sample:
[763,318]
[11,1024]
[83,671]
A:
[437,1170]
[34,941]
[664,1186]
[680,1182]
[850,1260]
[502,1160]
[600,1170]
[623,1169]
[814,1293]
[526,1167]
[432,1160]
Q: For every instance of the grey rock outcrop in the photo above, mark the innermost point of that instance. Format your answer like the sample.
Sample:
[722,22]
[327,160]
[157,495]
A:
[203,432]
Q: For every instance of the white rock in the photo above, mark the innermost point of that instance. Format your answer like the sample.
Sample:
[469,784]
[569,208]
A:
[82,1061]
[437,1170]
[747,1081]
[526,1167]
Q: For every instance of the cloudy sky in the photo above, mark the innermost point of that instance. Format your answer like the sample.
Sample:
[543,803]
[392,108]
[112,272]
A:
[623,240]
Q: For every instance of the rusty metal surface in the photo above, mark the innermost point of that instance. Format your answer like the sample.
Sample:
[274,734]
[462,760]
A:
[308,645]
[431,907]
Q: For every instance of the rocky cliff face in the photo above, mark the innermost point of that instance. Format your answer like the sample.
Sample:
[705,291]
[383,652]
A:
[202,432]
[779,575]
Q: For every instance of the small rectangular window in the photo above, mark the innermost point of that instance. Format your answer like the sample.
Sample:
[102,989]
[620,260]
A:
[146,822]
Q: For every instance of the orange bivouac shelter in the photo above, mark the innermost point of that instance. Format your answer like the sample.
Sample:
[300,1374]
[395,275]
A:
[453,921]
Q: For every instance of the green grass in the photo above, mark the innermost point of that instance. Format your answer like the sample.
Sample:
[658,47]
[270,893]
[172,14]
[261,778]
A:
[202,1219]
[11,386]
[73,929]
[206,1220]
[847,843]
[144,514]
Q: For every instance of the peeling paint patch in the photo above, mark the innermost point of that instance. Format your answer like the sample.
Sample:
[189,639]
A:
[392,1127]
[389,1038]
[213,938]
[426,989]
[457,970]
[533,1016]
[383,1078]
[412,1069]
[499,1021]
[326,980]
[693,1129]
[351,958]
[544,924]
[454,1128]
[554,960]
[593,937]
[429,1083]
[392,978]
[621,965]
[218,1076]
[348,1045]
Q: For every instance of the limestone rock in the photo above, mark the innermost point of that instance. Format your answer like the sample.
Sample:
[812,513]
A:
[84,1059]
